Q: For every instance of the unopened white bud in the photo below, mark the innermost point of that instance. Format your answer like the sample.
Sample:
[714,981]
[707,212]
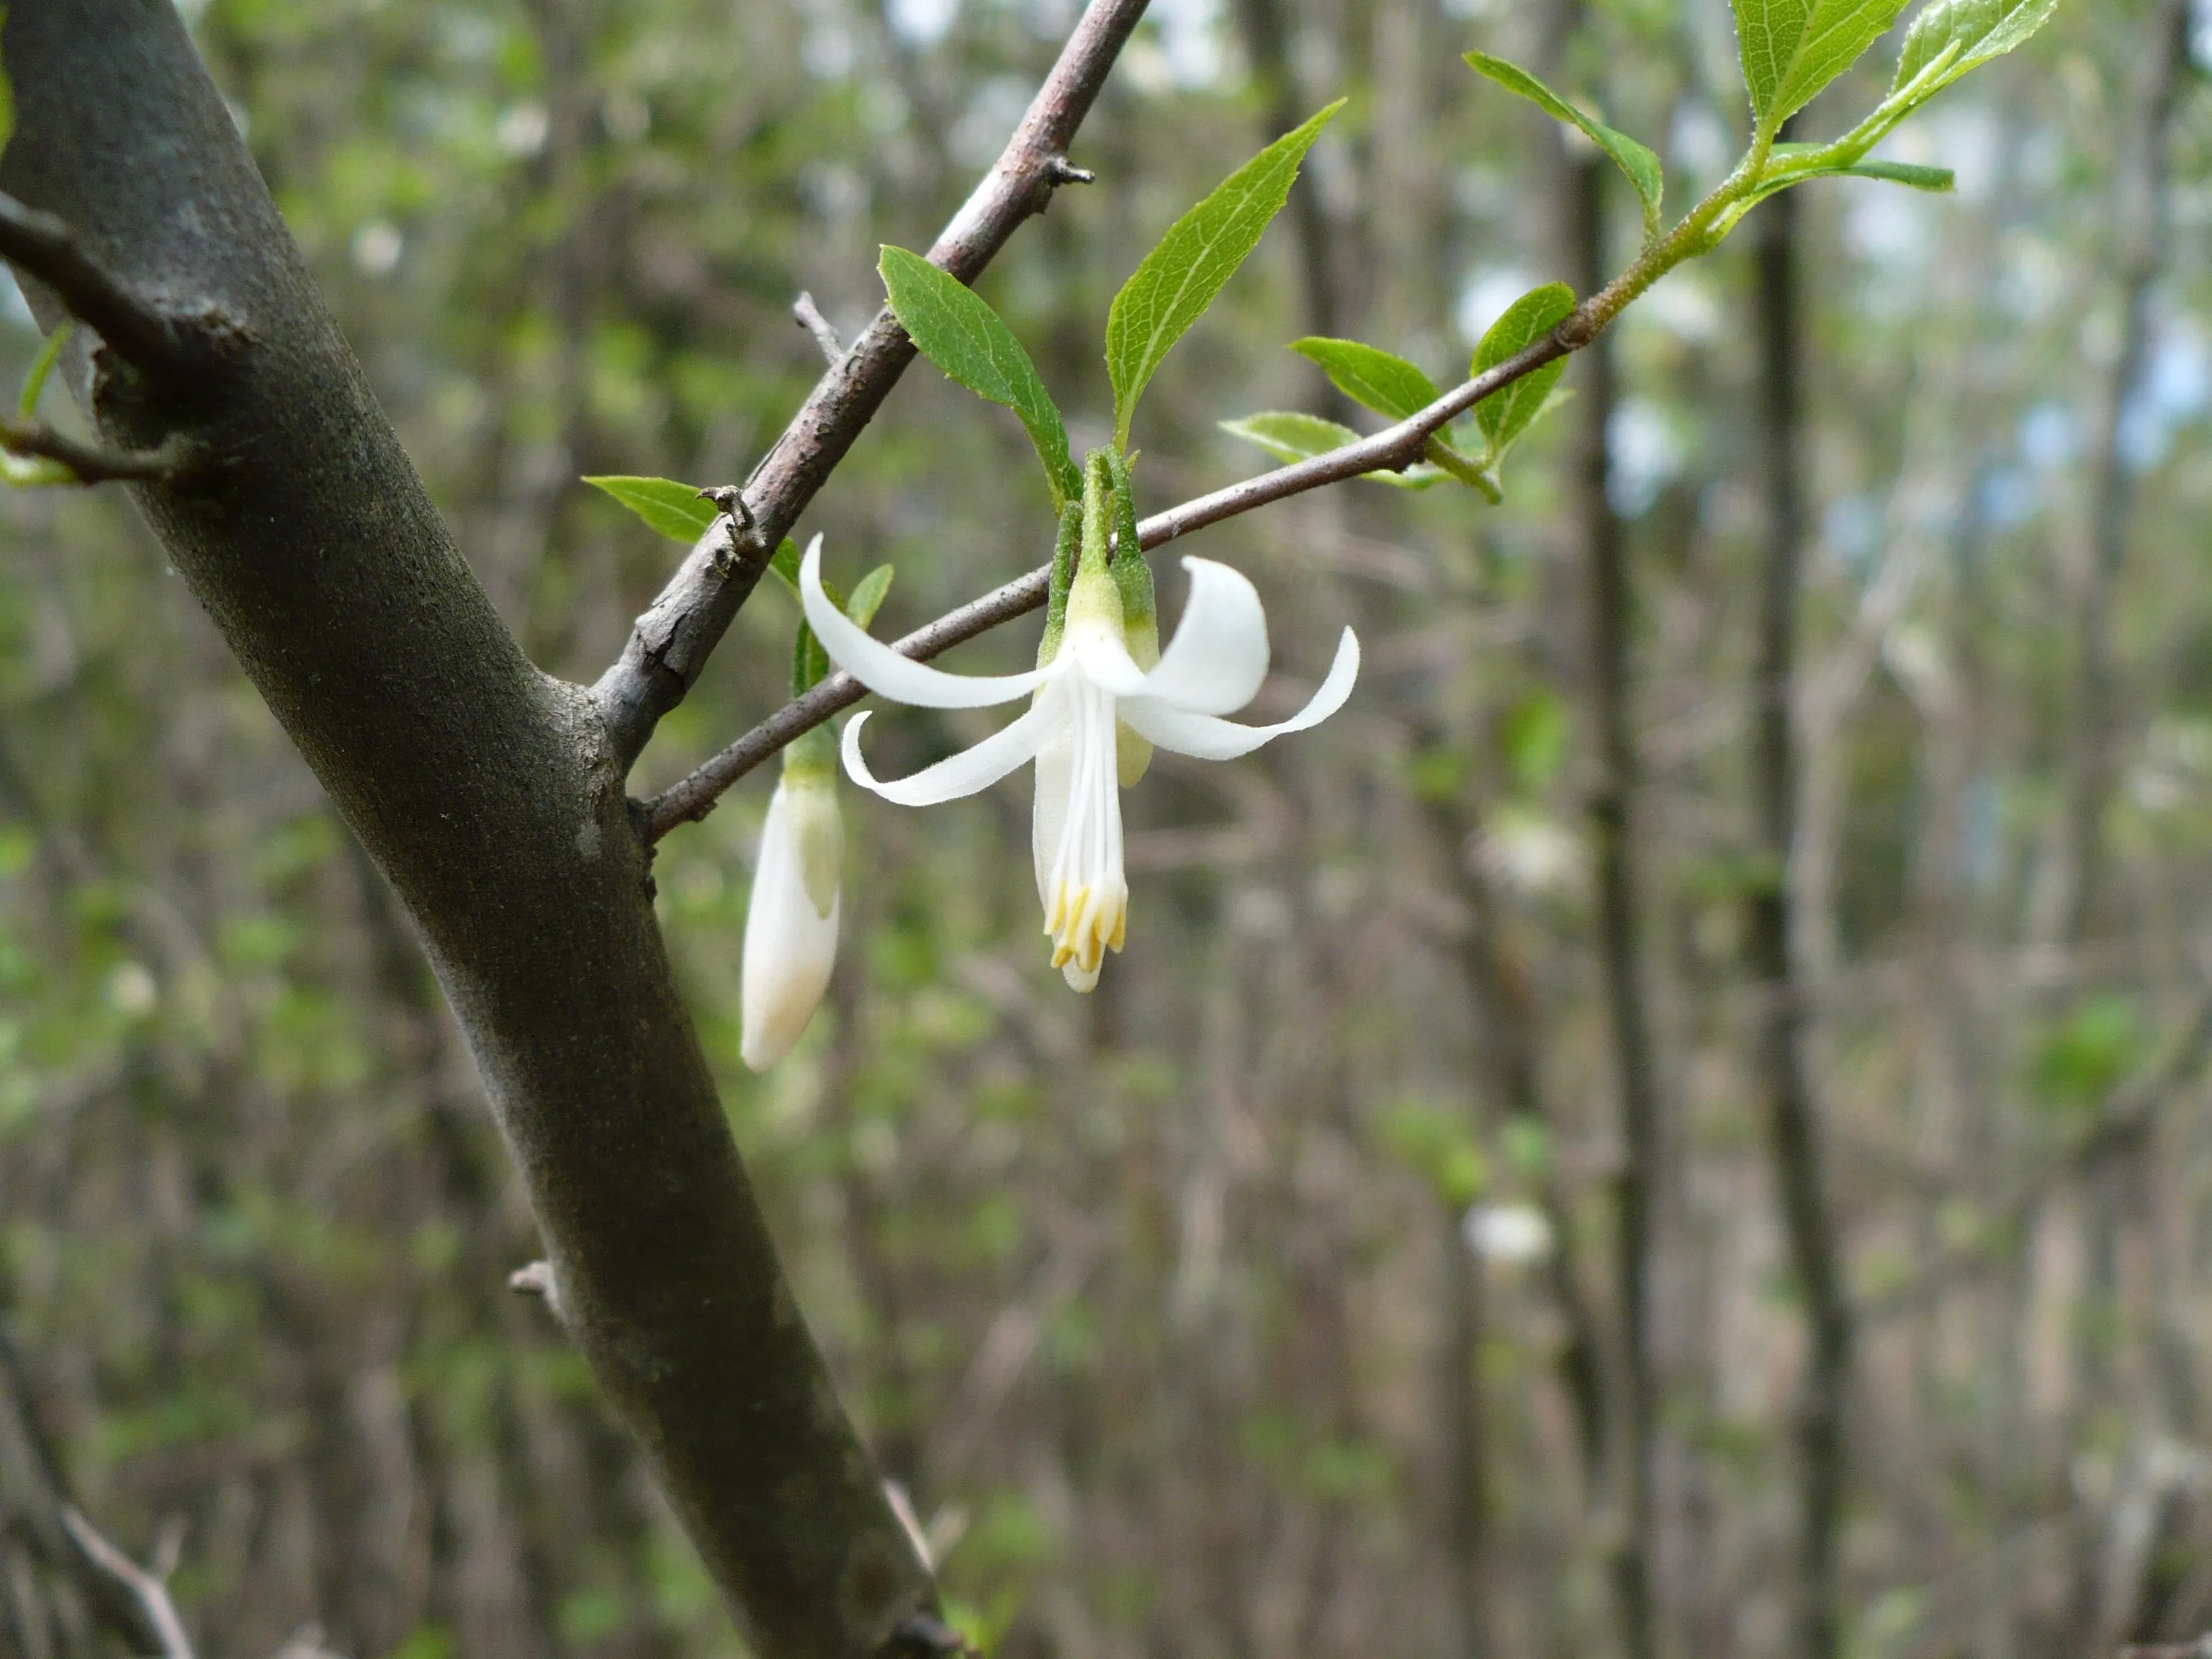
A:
[817,832]
[791,940]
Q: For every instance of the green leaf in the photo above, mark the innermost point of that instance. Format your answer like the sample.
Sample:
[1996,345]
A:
[1791,49]
[1289,436]
[1912,177]
[1064,551]
[785,563]
[1179,278]
[7,95]
[809,661]
[1505,414]
[868,597]
[1978,30]
[958,332]
[42,366]
[1936,179]
[1633,159]
[1372,378]
[677,511]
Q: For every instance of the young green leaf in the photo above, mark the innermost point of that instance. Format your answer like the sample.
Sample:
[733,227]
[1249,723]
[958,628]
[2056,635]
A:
[7,95]
[1934,180]
[1372,378]
[1979,30]
[1908,173]
[809,661]
[677,511]
[1506,413]
[1064,550]
[1558,397]
[1790,49]
[958,332]
[785,563]
[868,596]
[42,367]
[1641,165]
[1289,436]
[1171,288]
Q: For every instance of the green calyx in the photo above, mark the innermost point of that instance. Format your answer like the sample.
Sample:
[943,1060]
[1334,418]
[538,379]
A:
[1063,577]
[1094,595]
[1133,576]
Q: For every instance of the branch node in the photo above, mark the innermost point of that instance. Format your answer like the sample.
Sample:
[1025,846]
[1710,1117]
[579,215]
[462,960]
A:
[703,596]
[808,316]
[149,1589]
[152,336]
[537,1278]
[731,501]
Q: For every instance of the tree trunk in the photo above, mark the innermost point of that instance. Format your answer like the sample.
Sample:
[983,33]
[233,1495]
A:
[2070,886]
[1781,1013]
[491,798]
[1601,544]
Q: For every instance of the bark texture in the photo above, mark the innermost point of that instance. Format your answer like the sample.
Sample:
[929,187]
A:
[491,798]
[1609,613]
[2071,889]
[1792,1123]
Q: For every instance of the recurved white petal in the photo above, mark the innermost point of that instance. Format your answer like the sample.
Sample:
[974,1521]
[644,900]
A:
[790,947]
[1208,739]
[1218,656]
[885,672]
[1056,769]
[964,774]
[1105,661]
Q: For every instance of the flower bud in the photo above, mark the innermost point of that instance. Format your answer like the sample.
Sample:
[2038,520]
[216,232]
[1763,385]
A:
[791,929]
[818,834]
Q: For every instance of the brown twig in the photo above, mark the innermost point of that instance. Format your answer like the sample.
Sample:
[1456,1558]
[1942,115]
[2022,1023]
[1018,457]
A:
[2128,1115]
[1389,451]
[93,463]
[149,1588]
[42,245]
[808,316]
[671,642]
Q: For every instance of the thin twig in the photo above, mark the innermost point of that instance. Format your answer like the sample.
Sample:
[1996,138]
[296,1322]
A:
[42,244]
[671,642]
[809,317]
[93,463]
[1388,451]
[2127,1116]
[150,1589]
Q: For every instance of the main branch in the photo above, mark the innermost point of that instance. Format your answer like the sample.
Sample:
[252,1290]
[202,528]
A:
[671,642]
[489,795]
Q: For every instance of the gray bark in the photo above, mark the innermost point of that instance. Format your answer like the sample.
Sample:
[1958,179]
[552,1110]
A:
[489,795]
[1793,1127]
[2071,889]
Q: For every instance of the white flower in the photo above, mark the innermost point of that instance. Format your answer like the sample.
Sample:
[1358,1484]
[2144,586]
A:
[791,927]
[1213,666]
[1508,1232]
